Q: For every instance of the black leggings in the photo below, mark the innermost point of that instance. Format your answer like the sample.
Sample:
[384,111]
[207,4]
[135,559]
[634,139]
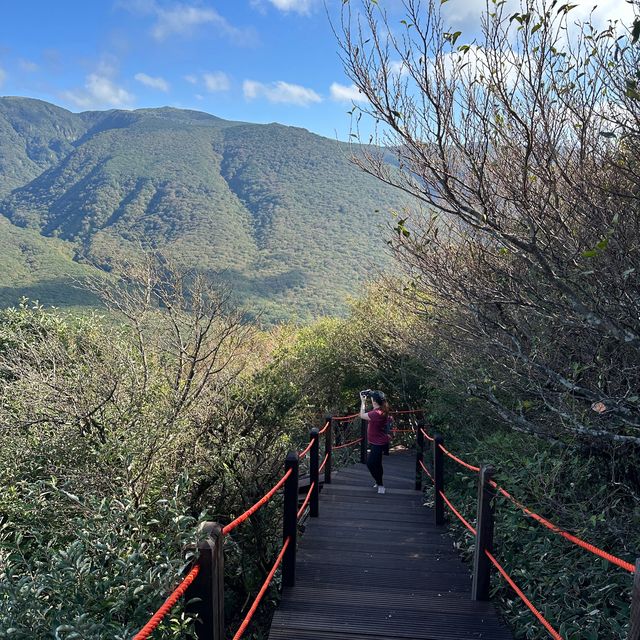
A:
[374,462]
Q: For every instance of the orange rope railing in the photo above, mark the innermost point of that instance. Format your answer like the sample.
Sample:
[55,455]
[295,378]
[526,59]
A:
[302,454]
[324,461]
[460,517]
[306,500]
[461,462]
[348,444]
[427,436]
[505,575]
[169,603]
[351,417]
[552,632]
[249,512]
[326,426]
[263,589]
[552,527]
[427,471]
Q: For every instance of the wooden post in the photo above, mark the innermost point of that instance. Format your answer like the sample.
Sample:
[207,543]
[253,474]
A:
[363,443]
[328,448]
[205,595]
[419,455]
[314,474]
[438,477]
[484,535]
[634,627]
[290,520]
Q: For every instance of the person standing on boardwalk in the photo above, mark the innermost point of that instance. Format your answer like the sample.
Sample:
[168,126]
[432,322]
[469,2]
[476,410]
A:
[377,434]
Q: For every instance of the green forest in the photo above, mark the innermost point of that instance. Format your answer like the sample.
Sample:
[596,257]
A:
[276,211]
[510,314]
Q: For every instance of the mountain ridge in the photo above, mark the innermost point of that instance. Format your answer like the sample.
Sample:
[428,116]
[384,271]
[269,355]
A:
[277,209]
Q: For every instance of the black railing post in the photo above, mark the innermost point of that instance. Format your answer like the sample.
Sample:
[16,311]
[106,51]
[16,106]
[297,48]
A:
[438,477]
[363,442]
[484,535]
[290,520]
[634,627]
[419,455]
[328,448]
[314,474]
[205,595]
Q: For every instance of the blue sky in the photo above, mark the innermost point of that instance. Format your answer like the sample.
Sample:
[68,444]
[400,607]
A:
[252,60]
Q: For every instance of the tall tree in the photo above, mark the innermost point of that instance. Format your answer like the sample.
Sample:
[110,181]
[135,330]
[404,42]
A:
[521,148]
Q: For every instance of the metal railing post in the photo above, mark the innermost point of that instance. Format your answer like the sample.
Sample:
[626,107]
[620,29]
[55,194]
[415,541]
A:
[363,443]
[290,519]
[328,448]
[634,627]
[438,477]
[484,535]
[314,474]
[205,595]
[419,455]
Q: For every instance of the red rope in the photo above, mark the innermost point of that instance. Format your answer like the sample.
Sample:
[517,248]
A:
[462,462]
[306,500]
[552,527]
[249,512]
[396,413]
[552,632]
[321,467]
[348,444]
[536,613]
[427,436]
[464,522]
[326,426]
[169,603]
[427,472]
[353,415]
[265,586]
[302,454]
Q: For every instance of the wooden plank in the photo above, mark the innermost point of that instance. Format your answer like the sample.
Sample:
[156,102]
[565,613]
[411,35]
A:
[374,567]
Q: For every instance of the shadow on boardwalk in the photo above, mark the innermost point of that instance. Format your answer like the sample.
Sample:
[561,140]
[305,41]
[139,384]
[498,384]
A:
[375,567]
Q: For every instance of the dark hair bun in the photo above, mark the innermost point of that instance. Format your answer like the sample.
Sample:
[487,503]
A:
[378,396]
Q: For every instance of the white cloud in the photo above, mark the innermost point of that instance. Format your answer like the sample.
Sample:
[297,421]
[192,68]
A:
[3,76]
[191,79]
[99,92]
[302,7]
[27,65]
[467,14]
[155,83]
[342,93]
[218,81]
[280,93]
[184,19]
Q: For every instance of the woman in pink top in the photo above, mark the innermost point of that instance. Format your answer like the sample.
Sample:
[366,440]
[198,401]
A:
[376,432]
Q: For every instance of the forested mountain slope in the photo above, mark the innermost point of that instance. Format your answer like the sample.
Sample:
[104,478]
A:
[281,212]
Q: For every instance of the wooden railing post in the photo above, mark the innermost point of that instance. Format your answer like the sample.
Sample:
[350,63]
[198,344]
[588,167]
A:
[290,520]
[419,455]
[328,448]
[484,535]
[314,474]
[438,477]
[363,443]
[205,595]
[634,627]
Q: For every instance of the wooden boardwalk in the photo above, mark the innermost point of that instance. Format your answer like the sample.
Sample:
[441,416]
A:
[375,567]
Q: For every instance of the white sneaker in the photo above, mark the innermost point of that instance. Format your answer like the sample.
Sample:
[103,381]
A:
[381,489]
[375,486]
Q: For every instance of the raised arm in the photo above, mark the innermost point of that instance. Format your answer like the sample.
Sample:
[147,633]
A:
[363,407]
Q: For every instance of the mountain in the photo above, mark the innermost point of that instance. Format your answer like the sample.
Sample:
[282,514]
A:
[280,212]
